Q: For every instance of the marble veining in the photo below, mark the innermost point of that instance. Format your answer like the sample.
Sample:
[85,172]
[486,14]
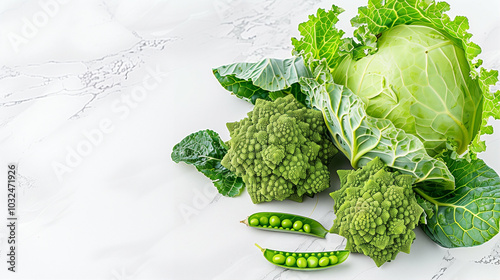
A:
[97,79]
[493,257]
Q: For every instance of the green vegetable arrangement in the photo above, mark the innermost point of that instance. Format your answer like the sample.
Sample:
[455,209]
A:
[405,100]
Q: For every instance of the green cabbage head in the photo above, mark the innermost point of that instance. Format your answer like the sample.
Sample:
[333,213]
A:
[419,79]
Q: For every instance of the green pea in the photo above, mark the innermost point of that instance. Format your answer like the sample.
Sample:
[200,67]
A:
[307,228]
[297,225]
[286,223]
[290,261]
[254,222]
[279,259]
[324,261]
[302,262]
[312,262]
[274,221]
[264,220]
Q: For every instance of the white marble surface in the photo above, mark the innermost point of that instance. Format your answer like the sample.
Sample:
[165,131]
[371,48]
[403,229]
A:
[93,96]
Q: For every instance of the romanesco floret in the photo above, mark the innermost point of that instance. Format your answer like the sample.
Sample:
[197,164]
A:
[281,150]
[376,211]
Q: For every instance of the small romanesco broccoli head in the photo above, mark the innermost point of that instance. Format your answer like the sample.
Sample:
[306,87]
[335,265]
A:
[281,150]
[376,211]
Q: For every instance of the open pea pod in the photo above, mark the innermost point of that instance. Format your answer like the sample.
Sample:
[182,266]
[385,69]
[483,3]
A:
[283,222]
[305,261]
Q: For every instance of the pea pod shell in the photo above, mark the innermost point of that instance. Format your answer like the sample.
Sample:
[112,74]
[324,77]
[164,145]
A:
[317,230]
[269,254]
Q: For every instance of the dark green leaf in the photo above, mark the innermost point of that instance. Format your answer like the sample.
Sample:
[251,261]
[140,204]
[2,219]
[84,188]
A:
[204,149]
[468,215]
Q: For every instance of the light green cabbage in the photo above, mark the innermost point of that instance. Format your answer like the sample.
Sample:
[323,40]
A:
[391,37]
[418,79]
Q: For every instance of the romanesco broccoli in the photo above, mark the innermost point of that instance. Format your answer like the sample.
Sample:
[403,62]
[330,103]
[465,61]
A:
[376,211]
[281,151]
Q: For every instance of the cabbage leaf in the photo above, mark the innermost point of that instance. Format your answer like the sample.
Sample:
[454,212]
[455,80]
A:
[362,138]
[267,79]
[467,216]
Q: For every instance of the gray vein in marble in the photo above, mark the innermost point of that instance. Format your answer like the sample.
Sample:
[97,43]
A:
[108,9]
[246,24]
[327,217]
[278,276]
[101,77]
[493,258]
[446,263]
[342,245]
